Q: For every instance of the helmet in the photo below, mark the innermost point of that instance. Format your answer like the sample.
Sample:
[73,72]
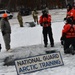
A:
[44,11]
[4,15]
[69,5]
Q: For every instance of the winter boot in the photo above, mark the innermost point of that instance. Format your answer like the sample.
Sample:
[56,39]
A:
[52,45]
[73,52]
[67,51]
[45,45]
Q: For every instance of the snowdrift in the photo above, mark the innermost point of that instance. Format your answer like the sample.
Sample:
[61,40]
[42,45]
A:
[23,52]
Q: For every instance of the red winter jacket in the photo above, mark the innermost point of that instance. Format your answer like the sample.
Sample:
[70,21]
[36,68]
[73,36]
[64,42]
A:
[69,31]
[45,21]
[71,13]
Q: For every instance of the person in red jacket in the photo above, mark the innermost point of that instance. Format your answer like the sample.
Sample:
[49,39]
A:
[70,12]
[45,22]
[73,14]
[68,35]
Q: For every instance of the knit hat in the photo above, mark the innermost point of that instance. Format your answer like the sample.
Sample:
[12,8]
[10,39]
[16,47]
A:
[4,15]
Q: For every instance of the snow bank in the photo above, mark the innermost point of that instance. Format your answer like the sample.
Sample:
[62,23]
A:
[23,52]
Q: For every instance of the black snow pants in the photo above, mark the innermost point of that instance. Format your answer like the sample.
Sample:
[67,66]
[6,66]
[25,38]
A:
[48,31]
[68,42]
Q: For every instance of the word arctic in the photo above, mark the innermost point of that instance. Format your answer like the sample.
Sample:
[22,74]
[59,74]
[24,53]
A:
[37,63]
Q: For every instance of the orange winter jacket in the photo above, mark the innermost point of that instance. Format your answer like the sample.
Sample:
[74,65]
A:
[69,31]
[45,21]
[71,13]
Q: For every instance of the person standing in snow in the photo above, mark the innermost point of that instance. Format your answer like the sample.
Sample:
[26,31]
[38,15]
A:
[68,36]
[73,13]
[35,16]
[45,22]
[6,31]
[47,9]
[20,20]
[70,12]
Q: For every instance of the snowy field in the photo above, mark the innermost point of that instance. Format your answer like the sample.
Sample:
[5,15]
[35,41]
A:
[28,41]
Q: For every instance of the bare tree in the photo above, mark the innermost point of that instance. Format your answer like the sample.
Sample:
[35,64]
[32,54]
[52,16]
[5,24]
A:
[66,2]
[0,1]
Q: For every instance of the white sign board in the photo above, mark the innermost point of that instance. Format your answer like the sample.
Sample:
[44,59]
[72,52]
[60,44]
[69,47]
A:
[37,63]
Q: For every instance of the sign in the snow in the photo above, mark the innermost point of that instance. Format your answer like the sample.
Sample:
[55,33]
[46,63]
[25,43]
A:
[36,63]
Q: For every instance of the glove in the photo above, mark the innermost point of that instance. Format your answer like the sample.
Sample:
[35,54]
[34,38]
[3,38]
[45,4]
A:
[41,24]
[62,42]
[3,33]
[61,38]
[45,22]
[64,18]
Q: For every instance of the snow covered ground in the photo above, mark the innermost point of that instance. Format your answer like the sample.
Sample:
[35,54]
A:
[28,41]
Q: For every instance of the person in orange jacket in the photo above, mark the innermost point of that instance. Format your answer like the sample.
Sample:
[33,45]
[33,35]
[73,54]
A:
[45,22]
[70,12]
[68,35]
[73,14]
